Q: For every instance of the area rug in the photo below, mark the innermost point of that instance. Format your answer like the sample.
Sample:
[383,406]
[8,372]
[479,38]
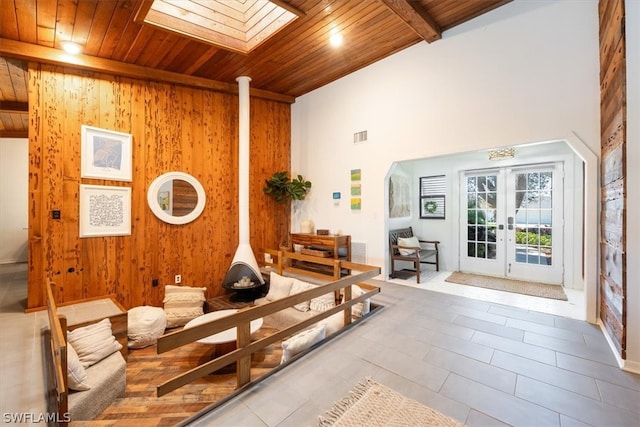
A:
[372,404]
[507,285]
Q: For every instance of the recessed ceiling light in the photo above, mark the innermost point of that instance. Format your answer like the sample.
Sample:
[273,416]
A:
[72,48]
[336,38]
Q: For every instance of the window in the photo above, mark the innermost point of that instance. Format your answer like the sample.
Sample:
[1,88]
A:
[432,197]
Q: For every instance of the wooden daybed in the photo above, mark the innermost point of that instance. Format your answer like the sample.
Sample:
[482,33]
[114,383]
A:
[107,377]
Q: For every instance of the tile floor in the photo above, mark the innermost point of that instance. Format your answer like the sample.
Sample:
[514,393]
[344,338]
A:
[481,362]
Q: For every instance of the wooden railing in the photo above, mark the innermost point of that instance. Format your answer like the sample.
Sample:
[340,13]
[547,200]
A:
[242,319]
[57,392]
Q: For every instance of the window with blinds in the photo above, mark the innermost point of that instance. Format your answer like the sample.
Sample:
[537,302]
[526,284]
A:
[432,197]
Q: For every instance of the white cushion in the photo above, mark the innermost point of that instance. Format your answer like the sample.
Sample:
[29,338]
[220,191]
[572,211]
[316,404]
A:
[333,323]
[301,286]
[323,302]
[146,324]
[76,375]
[302,341]
[362,308]
[93,342]
[279,286]
[183,303]
[408,241]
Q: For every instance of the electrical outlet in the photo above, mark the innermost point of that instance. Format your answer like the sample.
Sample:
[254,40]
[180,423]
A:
[178,279]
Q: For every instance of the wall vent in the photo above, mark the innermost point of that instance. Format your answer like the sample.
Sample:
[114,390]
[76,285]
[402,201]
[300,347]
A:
[360,137]
[359,252]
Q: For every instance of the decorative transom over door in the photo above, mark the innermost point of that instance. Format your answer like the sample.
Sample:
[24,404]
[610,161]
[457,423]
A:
[512,226]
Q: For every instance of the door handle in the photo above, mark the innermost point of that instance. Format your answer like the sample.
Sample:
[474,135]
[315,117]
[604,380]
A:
[501,227]
[510,223]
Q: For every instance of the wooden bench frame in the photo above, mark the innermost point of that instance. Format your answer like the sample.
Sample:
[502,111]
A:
[55,352]
[421,255]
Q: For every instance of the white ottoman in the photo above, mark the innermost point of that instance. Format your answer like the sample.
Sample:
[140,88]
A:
[146,324]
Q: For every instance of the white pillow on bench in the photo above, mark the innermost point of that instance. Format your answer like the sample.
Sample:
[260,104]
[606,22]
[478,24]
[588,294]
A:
[279,286]
[302,341]
[76,374]
[94,342]
[408,241]
[182,304]
[301,286]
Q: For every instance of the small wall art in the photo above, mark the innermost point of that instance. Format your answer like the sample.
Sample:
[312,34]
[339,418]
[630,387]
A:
[106,154]
[356,190]
[105,211]
[432,207]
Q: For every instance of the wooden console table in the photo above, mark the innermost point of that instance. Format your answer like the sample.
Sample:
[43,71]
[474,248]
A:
[332,243]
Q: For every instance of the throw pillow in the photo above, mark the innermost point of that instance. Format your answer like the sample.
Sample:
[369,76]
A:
[408,241]
[302,341]
[146,324]
[301,286]
[334,323]
[76,375]
[323,302]
[362,308]
[94,342]
[183,303]
[279,286]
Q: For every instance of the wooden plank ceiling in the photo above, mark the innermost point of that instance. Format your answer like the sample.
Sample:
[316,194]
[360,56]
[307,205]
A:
[290,63]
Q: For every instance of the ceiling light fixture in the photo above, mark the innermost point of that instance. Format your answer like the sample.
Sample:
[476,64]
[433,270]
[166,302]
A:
[502,153]
[71,47]
[336,38]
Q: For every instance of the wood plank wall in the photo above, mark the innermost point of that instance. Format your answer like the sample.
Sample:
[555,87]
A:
[613,277]
[174,128]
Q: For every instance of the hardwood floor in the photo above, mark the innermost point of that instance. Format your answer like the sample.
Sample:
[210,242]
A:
[146,369]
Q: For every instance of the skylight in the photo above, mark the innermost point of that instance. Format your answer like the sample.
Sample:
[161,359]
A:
[237,25]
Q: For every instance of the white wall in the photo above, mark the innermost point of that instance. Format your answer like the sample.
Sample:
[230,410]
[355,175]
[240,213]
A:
[633,189]
[14,175]
[525,72]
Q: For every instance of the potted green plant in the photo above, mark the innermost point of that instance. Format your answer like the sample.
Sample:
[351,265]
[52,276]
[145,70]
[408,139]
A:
[282,188]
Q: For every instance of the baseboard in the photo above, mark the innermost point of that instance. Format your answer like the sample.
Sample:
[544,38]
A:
[625,365]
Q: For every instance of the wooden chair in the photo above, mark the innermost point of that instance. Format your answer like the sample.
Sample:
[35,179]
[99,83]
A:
[425,253]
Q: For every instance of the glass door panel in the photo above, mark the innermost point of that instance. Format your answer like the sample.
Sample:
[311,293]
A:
[512,226]
[535,204]
[480,223]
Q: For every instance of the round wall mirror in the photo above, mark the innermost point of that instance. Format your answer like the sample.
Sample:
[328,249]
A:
[176,198]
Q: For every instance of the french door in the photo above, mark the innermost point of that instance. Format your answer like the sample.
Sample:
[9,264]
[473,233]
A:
[513,224]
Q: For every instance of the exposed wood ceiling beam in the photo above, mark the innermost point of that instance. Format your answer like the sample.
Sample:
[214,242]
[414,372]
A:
[32,52]
[14,107]
[414,15]
[290,8]
[14,134]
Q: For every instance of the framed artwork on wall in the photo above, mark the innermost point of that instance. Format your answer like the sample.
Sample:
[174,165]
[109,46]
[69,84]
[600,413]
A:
[399,196]
[356,190]
[432,207]
[105,211]
[106,154]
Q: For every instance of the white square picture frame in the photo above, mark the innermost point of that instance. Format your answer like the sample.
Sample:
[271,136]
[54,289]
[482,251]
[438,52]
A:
[105,211]
[105,154]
